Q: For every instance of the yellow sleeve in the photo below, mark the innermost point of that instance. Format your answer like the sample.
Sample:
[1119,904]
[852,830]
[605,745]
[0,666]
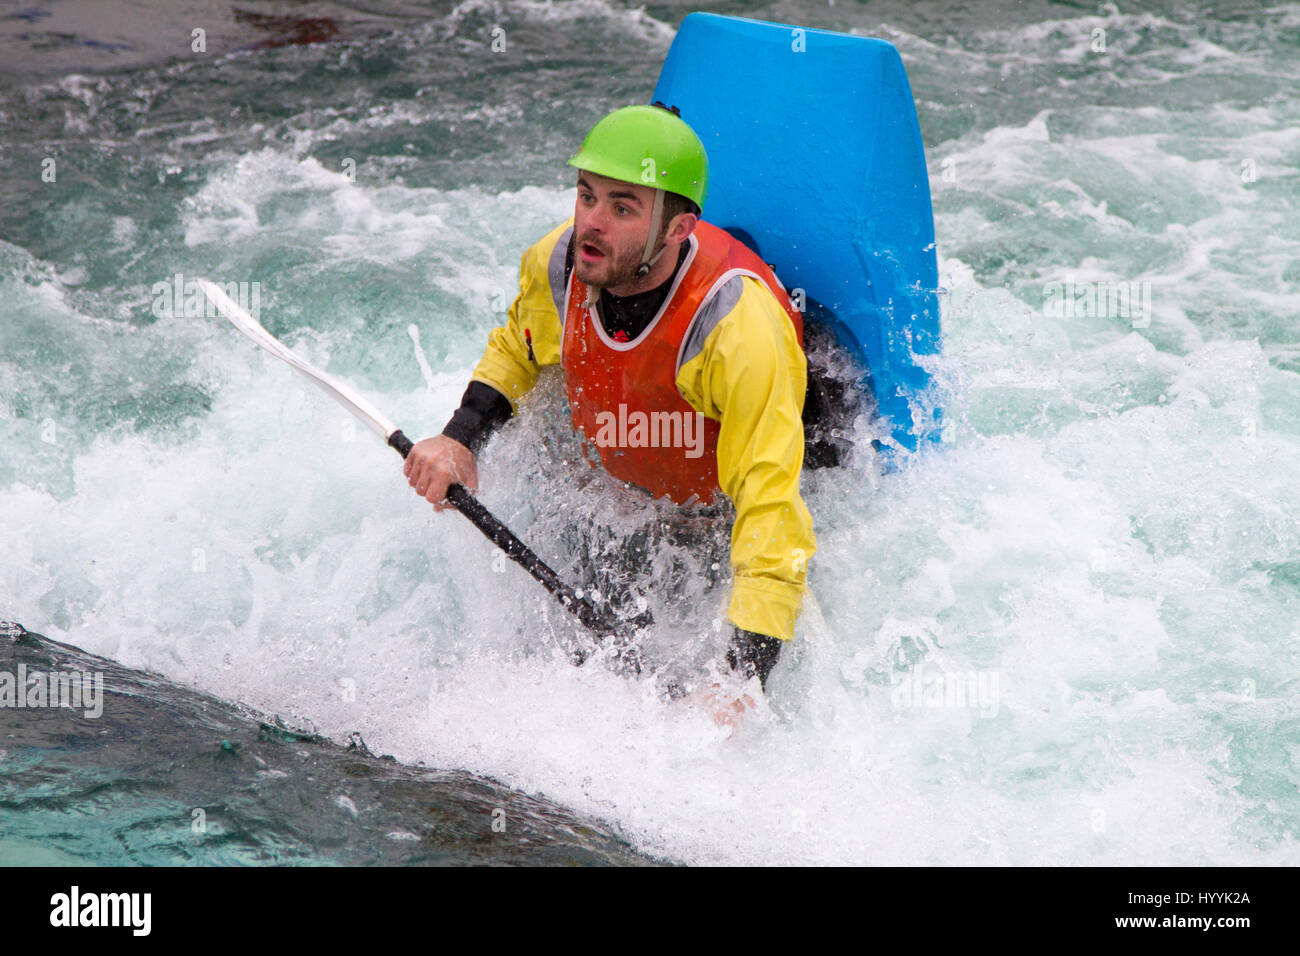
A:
[505,364]
[751,377]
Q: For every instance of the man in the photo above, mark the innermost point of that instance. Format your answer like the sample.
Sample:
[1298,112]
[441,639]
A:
[682,361]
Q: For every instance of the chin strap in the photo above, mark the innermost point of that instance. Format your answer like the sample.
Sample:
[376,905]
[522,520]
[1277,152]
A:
[656,217]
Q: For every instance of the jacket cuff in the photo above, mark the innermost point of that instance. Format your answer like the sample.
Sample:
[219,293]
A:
[482,411]
[765,606]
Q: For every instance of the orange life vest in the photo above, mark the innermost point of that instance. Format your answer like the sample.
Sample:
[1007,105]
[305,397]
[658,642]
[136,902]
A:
[623,395]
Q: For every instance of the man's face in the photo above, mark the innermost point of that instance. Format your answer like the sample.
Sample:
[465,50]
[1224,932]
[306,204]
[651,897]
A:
[610,222]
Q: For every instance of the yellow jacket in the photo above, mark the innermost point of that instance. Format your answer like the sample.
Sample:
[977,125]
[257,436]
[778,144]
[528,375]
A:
[750,377]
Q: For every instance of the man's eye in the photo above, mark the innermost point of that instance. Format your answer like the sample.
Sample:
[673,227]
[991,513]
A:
[622,210]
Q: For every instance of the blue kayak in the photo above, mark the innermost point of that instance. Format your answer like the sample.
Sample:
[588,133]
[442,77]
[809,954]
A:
[816,161]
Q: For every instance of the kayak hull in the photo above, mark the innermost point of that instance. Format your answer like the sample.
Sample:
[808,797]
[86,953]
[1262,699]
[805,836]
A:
[816,160]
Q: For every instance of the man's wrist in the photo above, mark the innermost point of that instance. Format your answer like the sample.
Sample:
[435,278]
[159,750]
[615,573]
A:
[482,411]
[751,654]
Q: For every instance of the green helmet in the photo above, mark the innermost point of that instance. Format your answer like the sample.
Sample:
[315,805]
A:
[648,146]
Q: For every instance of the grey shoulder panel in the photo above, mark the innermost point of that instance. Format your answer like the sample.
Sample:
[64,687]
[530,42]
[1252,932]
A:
[555,271]
[710,314]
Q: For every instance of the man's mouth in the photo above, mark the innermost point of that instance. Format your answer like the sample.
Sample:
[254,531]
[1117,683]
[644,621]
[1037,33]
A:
[590,252]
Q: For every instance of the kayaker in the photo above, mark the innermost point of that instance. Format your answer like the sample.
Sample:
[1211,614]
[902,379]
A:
[682,358]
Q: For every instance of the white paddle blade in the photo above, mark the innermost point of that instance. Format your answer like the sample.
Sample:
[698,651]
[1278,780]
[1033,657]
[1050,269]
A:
[341,393]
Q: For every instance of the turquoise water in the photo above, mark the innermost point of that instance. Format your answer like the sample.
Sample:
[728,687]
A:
[1105,547]
[157,774]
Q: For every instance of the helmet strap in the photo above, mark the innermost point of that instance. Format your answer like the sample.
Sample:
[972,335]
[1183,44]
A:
[656,217]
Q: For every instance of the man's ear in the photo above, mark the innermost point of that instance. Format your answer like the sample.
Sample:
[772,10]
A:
[681,227]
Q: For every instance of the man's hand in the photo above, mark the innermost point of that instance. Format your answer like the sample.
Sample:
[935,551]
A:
[749,656]
[727,704]
[436,463]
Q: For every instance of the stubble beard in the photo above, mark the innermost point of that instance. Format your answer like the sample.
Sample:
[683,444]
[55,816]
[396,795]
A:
[617,269]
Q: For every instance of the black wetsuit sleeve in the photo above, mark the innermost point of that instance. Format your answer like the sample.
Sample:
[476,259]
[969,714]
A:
[751,654]
[482,411]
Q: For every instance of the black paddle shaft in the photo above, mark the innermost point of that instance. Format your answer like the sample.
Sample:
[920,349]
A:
[599,620]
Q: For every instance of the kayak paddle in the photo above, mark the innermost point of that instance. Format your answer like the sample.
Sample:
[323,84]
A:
[601,620]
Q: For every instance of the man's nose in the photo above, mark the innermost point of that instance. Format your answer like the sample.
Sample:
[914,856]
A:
[597,219]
